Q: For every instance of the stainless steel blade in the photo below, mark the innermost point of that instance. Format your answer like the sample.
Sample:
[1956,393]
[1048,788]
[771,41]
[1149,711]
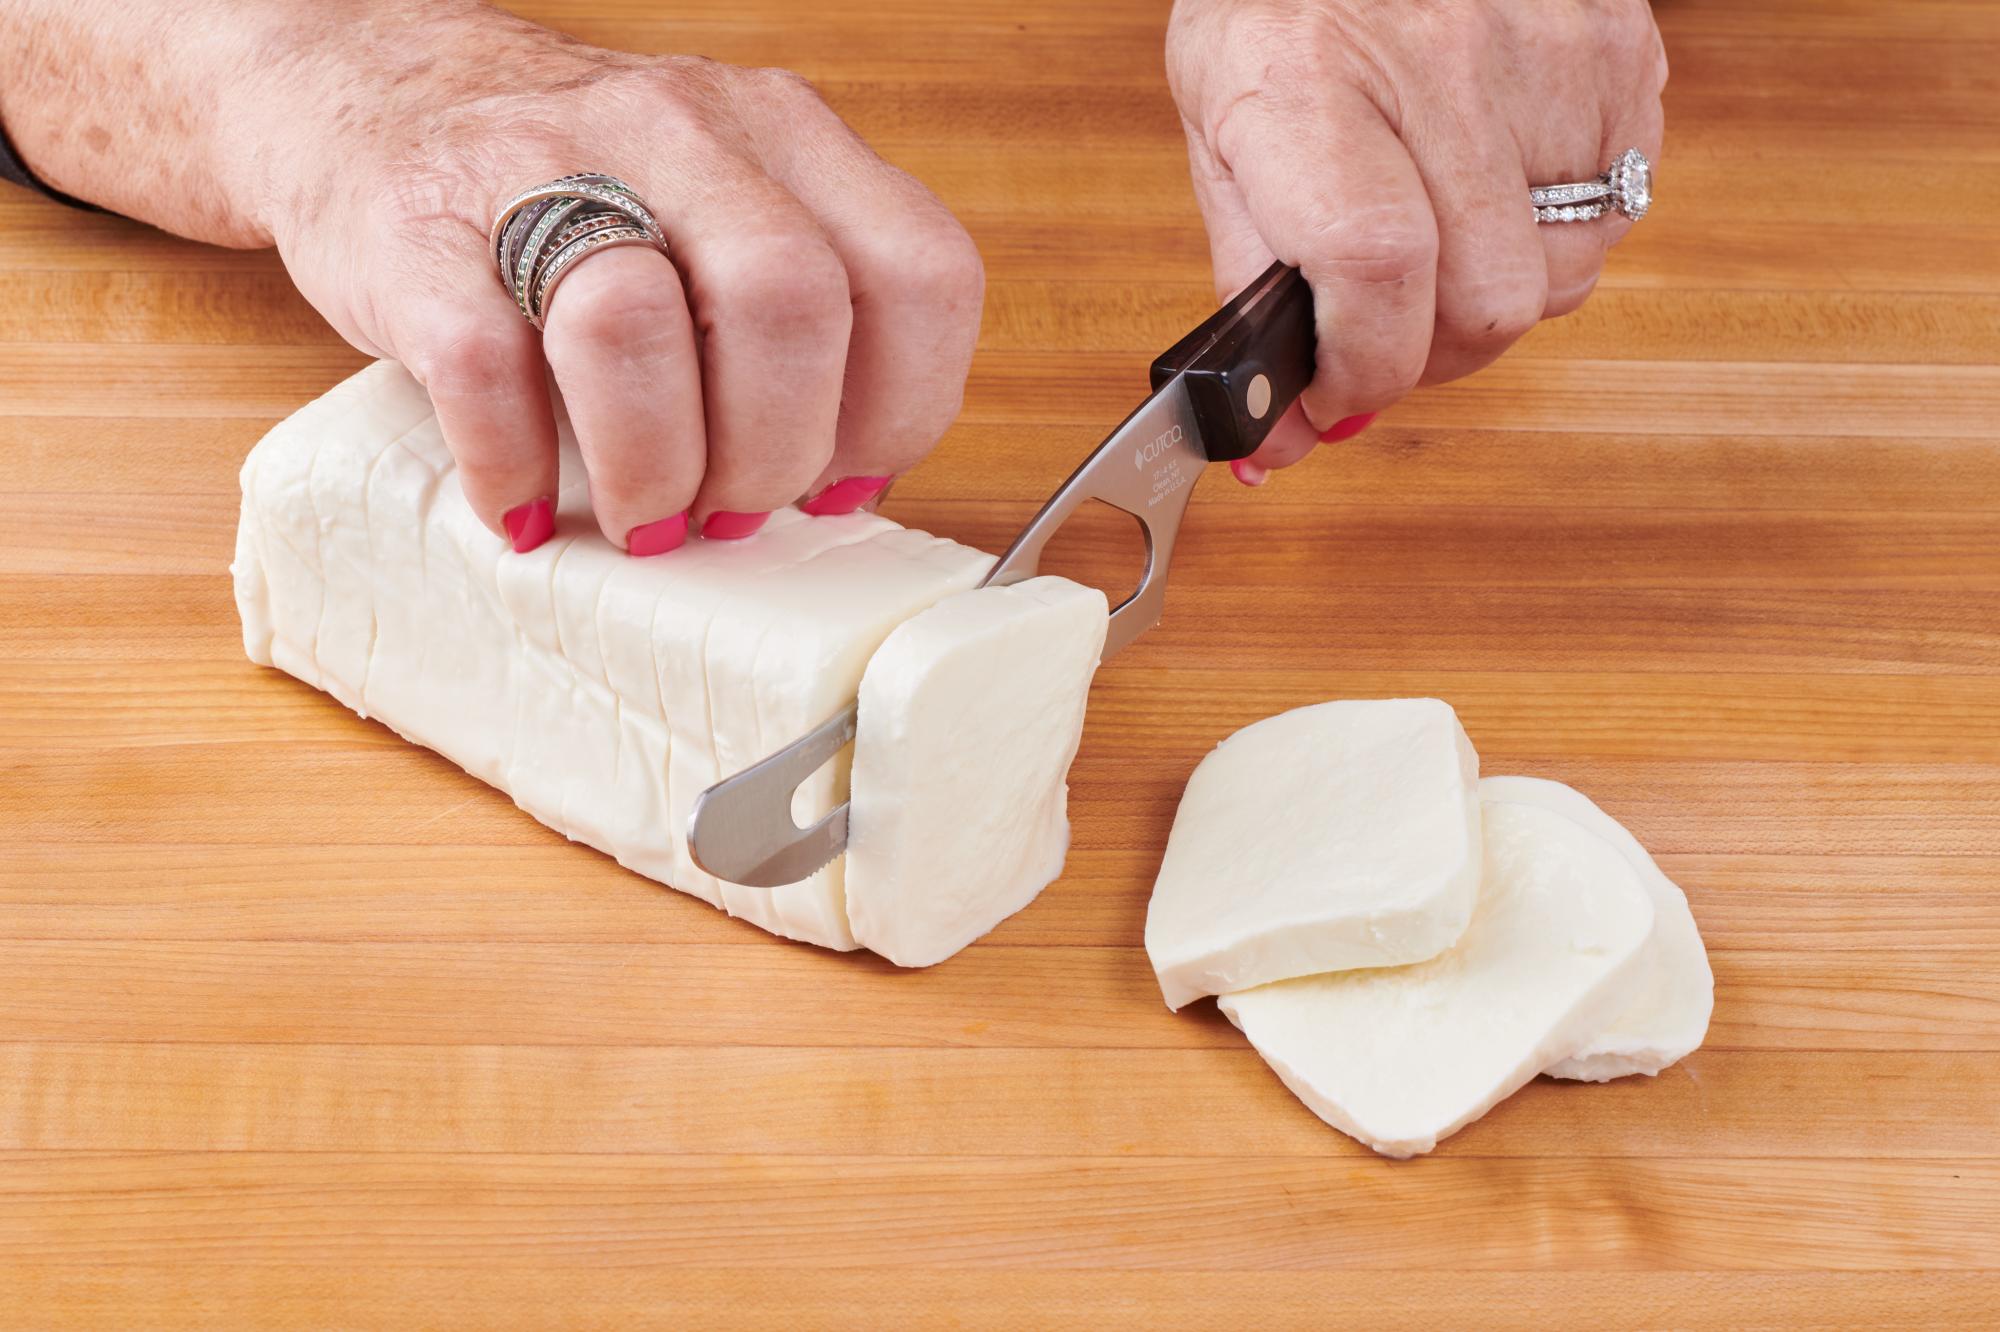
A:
[742,829]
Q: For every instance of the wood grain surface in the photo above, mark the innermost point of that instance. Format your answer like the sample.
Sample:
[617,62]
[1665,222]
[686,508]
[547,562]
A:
[302,1027]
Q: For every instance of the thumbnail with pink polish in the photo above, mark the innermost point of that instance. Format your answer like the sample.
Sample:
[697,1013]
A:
[1249,473]
[657,538]
[726,526]
[1347,428]
[844,496]
[529,525]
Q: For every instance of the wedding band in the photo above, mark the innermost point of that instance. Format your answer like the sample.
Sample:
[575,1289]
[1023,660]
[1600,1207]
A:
[1626,187]
[541,233]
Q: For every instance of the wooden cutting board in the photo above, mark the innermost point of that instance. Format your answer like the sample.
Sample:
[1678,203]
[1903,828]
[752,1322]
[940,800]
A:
[300,1026]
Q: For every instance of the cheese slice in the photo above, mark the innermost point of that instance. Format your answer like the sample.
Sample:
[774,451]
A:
[970,715]
[1668,1020]
[1339,835]
[601,692]
[801,644]
[1401,1057]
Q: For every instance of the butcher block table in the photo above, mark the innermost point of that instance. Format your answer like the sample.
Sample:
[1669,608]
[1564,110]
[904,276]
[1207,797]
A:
[300,1026]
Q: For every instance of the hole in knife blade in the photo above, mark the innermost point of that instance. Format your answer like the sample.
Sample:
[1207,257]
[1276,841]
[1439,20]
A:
[805,813]
[1102,546]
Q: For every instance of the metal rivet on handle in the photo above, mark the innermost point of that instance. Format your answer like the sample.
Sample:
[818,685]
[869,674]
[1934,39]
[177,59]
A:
[1258,397]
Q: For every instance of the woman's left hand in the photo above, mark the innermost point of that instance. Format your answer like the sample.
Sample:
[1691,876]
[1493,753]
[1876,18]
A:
[1386,148]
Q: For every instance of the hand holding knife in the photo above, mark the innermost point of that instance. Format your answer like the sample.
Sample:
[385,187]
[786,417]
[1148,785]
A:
[1216,394]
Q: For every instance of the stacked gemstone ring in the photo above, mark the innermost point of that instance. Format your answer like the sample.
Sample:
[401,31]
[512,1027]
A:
[1626,187]
[544,232]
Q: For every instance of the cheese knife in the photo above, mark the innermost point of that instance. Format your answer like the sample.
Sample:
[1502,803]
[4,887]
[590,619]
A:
[1216,394]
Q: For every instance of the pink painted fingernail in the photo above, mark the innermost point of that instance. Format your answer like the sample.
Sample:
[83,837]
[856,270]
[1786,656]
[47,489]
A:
[726,526]
[1347,428]
[1249,473]
[844,496]
[529,525]
[657,538]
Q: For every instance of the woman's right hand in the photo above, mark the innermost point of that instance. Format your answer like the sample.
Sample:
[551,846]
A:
[1387,149]
[809,336]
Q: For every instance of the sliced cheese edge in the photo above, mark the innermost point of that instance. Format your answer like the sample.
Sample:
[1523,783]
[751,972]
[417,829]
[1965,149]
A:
[1668,1019]
[970,714]
[1334,836]
[601,692]
[1402,1057]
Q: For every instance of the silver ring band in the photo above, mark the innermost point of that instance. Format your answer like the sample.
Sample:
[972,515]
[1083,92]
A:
[541,233]
[1626,187]
[1569,212]
[563,260]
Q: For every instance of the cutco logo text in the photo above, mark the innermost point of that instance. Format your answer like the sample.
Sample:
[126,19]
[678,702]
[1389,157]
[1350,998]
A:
[1167,440]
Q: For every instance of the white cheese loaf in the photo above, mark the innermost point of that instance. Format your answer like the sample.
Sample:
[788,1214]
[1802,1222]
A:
[1668,1020]
[1339,835]
[603,693]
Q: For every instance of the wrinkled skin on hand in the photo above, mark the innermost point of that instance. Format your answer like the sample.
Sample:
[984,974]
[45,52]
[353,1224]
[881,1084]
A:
[815,323]
[1386,147]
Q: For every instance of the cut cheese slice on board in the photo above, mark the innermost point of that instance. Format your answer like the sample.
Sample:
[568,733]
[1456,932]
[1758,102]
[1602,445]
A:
[1339,835]
[970,715]
[603,693]
[1401,1057]
[1668,1020]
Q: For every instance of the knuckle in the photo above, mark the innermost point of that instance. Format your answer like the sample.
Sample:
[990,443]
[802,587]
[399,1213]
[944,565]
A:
[1568,32]
[685,71]
[1570,299]
[672,110]
[791,287]
[1653,60]
[467,358]
[1296,37]
[1497,314]
[1460,37]
[903,427]
[1217,86]
[1376,247]
[768,476]
[408,206]
[784,85]
[602,312]
[1384,376]
[1399,373]
[907,439]
[637,485]
[673,99]
[949,267]
[1627,35]
[936,261]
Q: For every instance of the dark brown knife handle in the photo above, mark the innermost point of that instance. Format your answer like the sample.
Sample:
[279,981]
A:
[1256,352]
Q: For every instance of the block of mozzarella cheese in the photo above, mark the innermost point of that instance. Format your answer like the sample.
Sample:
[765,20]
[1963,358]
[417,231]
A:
[1339,835]
[970,715]
[604,693]
[1400,1057]
[1670,1016]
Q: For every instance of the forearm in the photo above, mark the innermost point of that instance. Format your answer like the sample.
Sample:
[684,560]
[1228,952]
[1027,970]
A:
[200,116]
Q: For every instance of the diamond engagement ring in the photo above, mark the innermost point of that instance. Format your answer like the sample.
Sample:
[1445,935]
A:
[1627,187]
[542,233]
